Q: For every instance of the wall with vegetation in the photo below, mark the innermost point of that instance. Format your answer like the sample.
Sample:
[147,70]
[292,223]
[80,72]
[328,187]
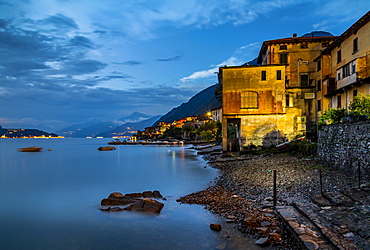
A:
[345,146]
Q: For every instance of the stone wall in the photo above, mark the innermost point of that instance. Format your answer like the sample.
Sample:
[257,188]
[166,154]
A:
[345,146]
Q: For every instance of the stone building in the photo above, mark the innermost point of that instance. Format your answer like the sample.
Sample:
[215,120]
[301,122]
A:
[343,68]
[274,101]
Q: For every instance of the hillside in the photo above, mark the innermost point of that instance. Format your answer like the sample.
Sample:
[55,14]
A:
[129,128]
[199,104]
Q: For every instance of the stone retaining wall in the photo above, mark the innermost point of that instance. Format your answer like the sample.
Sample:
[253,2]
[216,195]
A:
[345,146]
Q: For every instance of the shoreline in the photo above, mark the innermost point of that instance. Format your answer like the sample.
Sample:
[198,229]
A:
[242,193]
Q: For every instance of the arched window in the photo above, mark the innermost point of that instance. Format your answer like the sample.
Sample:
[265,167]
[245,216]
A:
[249,100]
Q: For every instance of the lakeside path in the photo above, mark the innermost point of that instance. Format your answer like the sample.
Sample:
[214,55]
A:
[243,192]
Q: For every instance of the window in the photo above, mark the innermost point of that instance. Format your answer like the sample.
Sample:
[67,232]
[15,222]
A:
[339,56]
[283,58]
[318,65]
[353,67]
[288,100]
[355,45]
[338,76]
[339,101]
[318,105]
[304,80]
[278,74]
[283,47]
[249,100]
[318,85]
[263,75]
[354,93]
[304,46]
[345,70]
[324,45]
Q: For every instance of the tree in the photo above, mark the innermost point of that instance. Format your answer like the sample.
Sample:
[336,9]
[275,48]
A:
[331,116]
[360,105]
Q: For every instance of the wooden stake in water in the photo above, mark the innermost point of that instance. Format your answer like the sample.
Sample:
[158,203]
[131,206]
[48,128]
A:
[274,177]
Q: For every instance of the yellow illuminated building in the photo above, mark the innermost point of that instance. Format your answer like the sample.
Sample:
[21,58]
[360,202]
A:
[274,101]
[343,68]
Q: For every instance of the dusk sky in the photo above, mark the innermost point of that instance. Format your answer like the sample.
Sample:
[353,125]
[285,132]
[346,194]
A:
[69,61]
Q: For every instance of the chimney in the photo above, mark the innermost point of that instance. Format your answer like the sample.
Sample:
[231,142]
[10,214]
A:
[295,35]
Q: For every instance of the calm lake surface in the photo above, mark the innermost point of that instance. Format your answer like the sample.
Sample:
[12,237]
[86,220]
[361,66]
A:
[50,199]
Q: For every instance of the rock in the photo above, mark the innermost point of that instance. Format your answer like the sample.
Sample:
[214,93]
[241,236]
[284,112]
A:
[148,194]
[262,229]
[251,221]
[310,245]
[117,198]
[157,194]
[111,209]
[275,236]
[122,201]
[265,223]
[146,205]
[116,195]
[216,227]
[135,195]
[262,242]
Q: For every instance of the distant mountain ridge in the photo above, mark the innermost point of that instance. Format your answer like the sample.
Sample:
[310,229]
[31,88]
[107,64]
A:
[129,128]
[98,127]
[199,104]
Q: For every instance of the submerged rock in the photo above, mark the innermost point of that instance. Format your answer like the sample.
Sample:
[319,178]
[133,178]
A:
[138,202]
[146,205]
[216,227]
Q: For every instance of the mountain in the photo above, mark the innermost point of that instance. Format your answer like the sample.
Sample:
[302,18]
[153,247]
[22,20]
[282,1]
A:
[199,104]
[129,128]
[96,127]
[135,117]
[71,130]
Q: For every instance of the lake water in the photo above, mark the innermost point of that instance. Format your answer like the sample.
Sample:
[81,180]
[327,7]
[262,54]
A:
[51,199]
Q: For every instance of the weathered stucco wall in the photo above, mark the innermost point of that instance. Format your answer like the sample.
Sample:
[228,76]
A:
[345,146]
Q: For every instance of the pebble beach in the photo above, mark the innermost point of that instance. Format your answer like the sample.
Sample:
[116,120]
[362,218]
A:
[243,191]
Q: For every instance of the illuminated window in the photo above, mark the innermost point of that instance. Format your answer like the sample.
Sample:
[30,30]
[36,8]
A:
[249,100]
[289,100]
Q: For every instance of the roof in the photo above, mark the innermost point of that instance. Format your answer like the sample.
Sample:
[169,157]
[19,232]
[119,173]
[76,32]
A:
[301,39]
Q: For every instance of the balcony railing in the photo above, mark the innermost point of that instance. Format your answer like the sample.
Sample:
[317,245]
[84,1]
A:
[347,81]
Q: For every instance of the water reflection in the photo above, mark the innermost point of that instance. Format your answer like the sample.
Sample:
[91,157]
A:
[50,200]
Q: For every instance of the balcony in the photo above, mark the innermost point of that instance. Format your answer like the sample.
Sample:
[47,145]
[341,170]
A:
[351,79]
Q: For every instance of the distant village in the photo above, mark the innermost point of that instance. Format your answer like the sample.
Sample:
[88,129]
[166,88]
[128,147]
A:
[295,81]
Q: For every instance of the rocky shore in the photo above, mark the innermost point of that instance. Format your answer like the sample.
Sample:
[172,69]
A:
[244,189]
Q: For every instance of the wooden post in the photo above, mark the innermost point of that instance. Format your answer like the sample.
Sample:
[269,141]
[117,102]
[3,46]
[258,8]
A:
[274,197]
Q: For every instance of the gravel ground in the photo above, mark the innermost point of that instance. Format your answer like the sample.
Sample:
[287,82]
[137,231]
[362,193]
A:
[244,189]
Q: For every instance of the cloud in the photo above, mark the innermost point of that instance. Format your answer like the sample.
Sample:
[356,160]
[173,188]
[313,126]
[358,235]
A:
[235,60]
[59,21]
[147,18]
[175,58]
[129,62]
